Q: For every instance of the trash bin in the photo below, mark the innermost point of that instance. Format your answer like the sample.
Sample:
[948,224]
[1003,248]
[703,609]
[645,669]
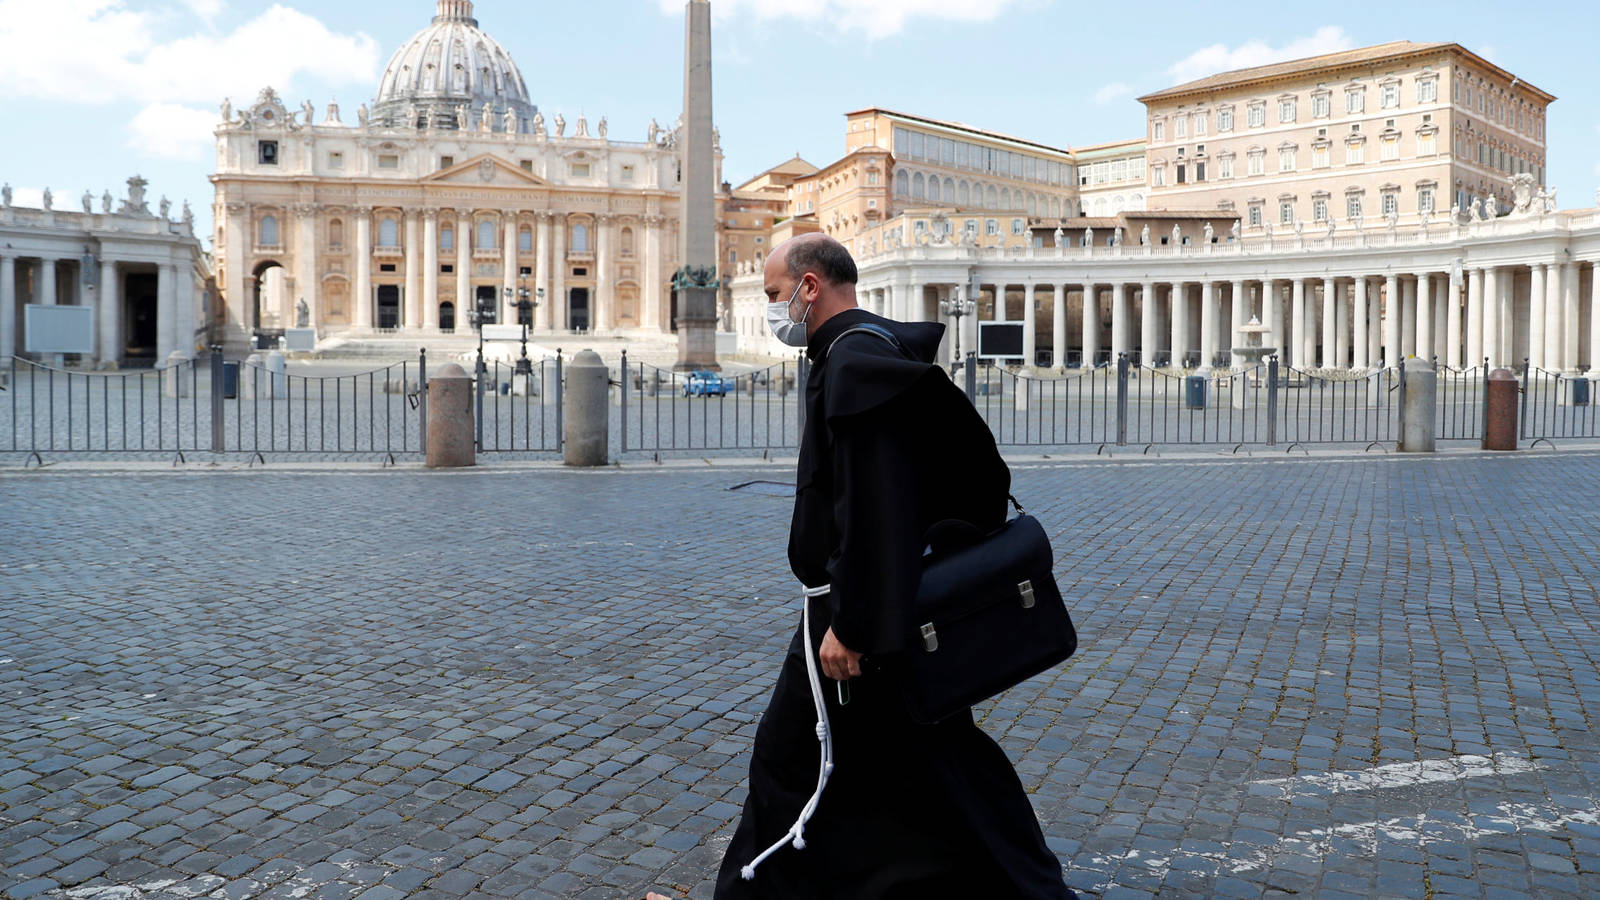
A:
[1194,392]
[230,381]
[1580,392]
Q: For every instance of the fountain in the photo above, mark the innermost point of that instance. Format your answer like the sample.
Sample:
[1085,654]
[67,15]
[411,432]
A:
[1250,356]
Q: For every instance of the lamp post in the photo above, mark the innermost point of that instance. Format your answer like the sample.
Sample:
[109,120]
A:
[525,307]
[955,309]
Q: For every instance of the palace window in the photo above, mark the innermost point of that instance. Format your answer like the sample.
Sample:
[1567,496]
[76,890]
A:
[1391,203]
[580,170]
[1428,90]
[1158,131]
[446,162]
[1320,105]
[1286,110]
[1225,167]
[1199,172]
[1286,161]
[267,153]
[991,227]
[388,233]
[1182,129]
[1257,162]
[336,234]
[1285,212]
[1200,124]
[1389,95]
[486,234]
[1426,145]
[269,231]
[1255,214]
[525,240]
[1256,114]
[1319,209]
[447,238]
[1425,200]
[580,238]
[1355,101]
[627,174]
[1352,206]
[1158,176]
[1355,152]
[335,159]
[1319,157]
[1225,119]
[388,161]
[1017,226]
[1390,148]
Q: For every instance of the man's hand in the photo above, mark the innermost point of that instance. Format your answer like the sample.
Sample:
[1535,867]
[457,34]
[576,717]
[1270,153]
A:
[838,661]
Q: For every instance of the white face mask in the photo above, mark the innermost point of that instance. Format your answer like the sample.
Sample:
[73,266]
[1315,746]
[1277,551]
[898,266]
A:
[785,328]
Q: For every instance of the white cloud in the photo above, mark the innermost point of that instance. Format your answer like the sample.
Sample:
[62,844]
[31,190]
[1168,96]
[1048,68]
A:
[205,9]
[1222,58]
[173,131]
[1113,92]
[100,51]
[873,18]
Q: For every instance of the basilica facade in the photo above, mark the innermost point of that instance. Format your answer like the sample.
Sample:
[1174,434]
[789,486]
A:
[451,193]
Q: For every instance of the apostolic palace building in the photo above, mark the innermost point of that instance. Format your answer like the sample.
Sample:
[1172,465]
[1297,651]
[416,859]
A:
[451,188]
[1365,206]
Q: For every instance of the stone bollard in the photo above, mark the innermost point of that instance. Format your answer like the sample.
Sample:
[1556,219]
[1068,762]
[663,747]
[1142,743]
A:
[278,383]
[1500,412]
[1019,396]
[252,378]
[586,427]
[450,426]
[175,376]
[1422,401]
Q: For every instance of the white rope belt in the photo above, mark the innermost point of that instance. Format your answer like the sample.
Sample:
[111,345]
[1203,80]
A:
[796,833]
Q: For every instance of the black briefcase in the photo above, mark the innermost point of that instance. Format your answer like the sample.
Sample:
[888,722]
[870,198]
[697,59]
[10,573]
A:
[989,615]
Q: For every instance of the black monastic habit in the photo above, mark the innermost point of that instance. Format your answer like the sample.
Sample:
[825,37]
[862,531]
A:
[890,446]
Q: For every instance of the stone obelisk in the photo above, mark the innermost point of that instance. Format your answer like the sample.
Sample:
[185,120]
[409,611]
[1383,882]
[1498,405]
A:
[695,285]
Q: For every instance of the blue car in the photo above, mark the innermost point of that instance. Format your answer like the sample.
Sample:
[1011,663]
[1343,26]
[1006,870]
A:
[704,382]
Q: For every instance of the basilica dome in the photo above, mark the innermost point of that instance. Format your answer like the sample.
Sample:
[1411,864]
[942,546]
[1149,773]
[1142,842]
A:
[447,73]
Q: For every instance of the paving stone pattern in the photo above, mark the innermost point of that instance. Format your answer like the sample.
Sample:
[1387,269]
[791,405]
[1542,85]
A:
[544,683]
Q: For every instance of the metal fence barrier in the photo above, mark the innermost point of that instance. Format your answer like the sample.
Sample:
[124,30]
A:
[661,411]
[520,411]
[1555,405]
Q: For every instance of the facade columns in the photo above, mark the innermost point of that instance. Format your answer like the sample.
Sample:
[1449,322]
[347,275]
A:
[1392,350]
[1360,359]
[1536,316]
[1119,320]
[1297,323]
[1271,300]
[1408,317]
[1341,326]
[541,272]
[362,298]
[47,283]
[1178,319]
[508,266]
[430,269]
[166,312]
[558,272]
[1594,321]
[1570,317]
[1552,318]
[184,322]
[652,274]
[8,309]
[413,298]
[1147,323]
[1425,317]
[1058,328]
[1091,324]
[1491,317]
[605,303]
[1452,320]
[1330,299]
[1208,323]
[1474,317]
[464,298]
[306,263]
[1240,307]
[1030,342]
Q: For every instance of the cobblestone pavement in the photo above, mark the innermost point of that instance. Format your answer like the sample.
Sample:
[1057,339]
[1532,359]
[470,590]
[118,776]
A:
[1330,676]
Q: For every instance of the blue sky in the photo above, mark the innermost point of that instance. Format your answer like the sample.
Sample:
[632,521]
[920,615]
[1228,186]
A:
[92,91]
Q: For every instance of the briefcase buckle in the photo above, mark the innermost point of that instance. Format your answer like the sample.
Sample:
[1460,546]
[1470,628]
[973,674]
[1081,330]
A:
[1025,588]
[930,638]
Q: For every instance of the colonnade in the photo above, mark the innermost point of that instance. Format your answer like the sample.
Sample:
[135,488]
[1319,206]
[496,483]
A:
[1544,312]
[177,304]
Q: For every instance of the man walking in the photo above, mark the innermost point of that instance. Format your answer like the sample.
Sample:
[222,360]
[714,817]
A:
[910,810]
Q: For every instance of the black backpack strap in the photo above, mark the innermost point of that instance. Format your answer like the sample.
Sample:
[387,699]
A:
[865,327]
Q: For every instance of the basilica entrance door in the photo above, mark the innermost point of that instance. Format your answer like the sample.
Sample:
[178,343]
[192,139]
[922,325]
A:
[578,309]
[388,306]
[486,305]
[447,316]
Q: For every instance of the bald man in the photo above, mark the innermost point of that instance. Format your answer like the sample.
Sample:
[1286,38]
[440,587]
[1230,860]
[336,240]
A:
[910,810]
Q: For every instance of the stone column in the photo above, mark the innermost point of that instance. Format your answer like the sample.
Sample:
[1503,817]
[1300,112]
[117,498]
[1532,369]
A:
[1474,317]
[1393,352]
[1058,327]
[1408,317]
[47,283]
[413,249]
[166,311]
[1594,320]
[430,269]
[8,310]
[305,215]
[1091,324]
[1030,321]
[1147,322]
[1374,301]
[1491,317]
[605,303]
[1330,321]
[999,303]
[1452,320]
[1425,316]
[1358,321]
[1553,304]
[109,345]
[1570,321]
[1270,298]
[508,267]
[186,307]
[464,298]
[1536,316]
[1297,323]
[558,272]
[1240,306]
[361,299]
[1119,320]
[1178,306]
[541,271]
[1341,326]
[1208,322]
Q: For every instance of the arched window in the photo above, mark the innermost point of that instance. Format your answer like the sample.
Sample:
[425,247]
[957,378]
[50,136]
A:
[1005,198]
[1033,205]
[447,238]
[336,233]
[963,193]
[269,231]
[486,231]
[902,183]
[1137,202]
[1118,204]
[627,242]
[919,189]
[1055,207]
[525,240]
[1099,206]
[388,233]
[992,198]
[949,190]
[580,239]
[933,189]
